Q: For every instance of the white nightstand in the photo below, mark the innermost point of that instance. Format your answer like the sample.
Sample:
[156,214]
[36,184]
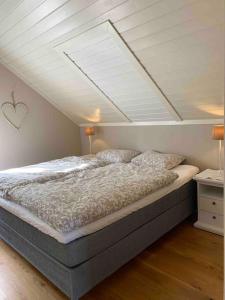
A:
[210,201]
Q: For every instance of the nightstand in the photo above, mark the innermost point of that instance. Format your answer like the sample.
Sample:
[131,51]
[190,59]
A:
[210,201]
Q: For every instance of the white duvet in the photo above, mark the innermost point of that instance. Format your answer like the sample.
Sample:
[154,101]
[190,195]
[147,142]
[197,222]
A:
[46,171]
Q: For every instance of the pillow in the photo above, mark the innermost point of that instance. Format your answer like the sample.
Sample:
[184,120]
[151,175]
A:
[158,160]
[117,155]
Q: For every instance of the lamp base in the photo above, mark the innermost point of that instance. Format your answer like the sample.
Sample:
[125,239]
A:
[221,173]
[90,144]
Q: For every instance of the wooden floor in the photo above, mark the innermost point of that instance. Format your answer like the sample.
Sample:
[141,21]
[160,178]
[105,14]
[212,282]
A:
[186,264]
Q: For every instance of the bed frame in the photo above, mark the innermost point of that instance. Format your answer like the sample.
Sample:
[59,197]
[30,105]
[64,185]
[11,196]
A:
[77,281]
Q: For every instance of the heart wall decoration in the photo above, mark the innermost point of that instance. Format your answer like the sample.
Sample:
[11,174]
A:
[14,112]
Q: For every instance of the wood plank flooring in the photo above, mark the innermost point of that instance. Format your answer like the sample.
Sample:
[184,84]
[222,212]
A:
[186,264]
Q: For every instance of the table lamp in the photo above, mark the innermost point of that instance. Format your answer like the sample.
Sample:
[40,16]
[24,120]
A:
[218,134]
[89,131]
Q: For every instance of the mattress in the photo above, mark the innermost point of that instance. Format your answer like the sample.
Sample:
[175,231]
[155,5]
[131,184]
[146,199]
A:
[106,232]
[185,173]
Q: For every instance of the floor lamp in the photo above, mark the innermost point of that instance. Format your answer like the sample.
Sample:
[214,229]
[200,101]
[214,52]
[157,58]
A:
[90,131]
[218,134]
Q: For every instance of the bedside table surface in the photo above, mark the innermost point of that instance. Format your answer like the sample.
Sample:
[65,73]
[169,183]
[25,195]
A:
[209,176]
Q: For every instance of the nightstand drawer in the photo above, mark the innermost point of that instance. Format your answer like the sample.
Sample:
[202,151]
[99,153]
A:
[210,205]
[210,219]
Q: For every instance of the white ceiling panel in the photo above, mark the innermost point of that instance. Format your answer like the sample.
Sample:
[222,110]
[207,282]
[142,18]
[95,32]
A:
[98,53]
[25,8]
[180,43]
[6,7]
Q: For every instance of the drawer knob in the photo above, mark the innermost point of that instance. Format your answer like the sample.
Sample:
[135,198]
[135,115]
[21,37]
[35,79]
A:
[214,217]
[214,203]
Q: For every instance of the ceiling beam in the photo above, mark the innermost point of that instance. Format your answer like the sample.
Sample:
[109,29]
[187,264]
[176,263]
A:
[160,123]
[142,70]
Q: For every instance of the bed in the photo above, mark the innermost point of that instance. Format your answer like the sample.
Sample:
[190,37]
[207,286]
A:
[76,262]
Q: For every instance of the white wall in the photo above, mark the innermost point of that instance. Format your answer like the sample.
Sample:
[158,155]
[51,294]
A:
[193,141]
[46,133]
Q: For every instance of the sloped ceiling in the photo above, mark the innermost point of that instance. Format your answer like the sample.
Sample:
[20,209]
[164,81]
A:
[178,44]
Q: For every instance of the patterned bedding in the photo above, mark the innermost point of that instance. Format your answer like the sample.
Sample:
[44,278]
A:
[46,171]
[72,201]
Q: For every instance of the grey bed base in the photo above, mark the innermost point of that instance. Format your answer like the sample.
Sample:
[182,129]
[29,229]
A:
[78,280]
